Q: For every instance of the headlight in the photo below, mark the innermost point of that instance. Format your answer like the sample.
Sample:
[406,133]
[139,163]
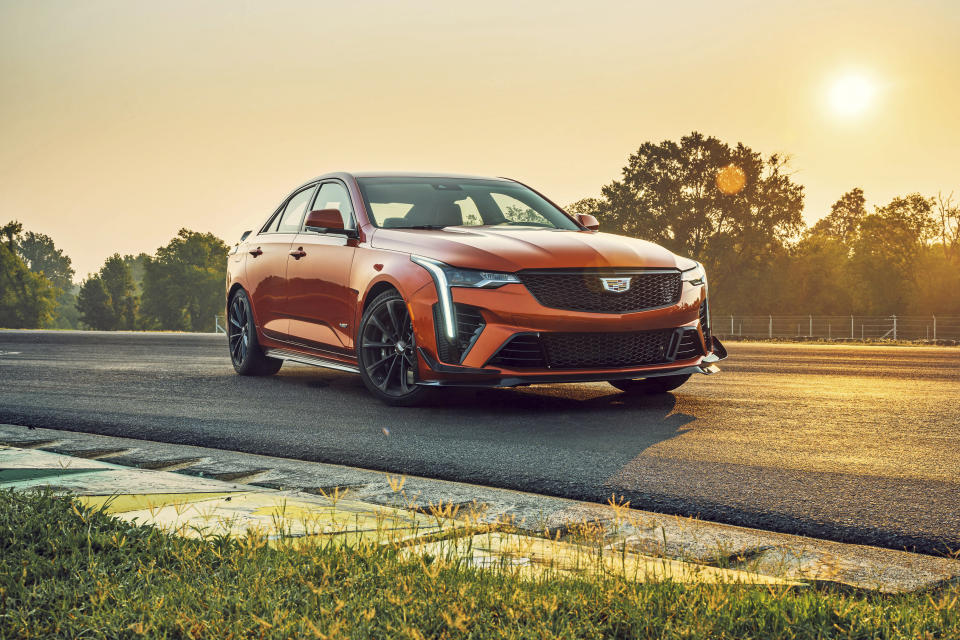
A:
[479,279]
[444,276]
[695,276]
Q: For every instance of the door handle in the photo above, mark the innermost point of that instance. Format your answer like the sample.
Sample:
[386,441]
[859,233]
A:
[299,253]
[257,252]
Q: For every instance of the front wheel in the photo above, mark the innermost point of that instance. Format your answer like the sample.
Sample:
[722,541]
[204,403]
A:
[245,352]
[660,384]
[387,352]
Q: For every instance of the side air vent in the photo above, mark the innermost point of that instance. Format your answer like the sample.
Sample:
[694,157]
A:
[469,325]
[704,322]
[690,346]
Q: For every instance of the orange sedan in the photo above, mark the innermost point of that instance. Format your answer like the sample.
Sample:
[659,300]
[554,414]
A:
[420,281]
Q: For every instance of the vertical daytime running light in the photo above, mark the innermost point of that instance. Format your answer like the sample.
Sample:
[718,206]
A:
[443,292]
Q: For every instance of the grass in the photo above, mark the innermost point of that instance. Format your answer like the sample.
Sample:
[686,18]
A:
[69,572]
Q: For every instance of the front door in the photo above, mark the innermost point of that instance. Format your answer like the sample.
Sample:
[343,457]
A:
[267,265]
[320,302]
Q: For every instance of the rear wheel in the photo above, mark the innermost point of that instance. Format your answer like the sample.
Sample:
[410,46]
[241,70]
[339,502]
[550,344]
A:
[660,384]
[245,352]
[387,352]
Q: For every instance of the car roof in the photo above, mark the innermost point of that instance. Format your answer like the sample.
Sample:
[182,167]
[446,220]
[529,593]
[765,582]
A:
[420,174]
[405,174]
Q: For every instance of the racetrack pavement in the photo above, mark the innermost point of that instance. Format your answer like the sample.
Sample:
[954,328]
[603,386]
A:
[850,443]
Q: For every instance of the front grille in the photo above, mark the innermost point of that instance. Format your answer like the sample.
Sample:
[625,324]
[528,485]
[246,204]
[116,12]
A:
[582,290]
[469,325]
[586,350]
[689,345]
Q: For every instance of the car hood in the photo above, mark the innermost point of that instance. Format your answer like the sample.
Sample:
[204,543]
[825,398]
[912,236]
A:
[502,249]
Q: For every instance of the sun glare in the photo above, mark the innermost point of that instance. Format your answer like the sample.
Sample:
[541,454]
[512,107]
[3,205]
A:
[851,94]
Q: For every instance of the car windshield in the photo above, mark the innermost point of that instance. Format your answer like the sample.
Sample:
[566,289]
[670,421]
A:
[435,203]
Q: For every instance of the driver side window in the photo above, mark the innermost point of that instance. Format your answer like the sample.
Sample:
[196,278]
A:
[333,195]
[289,221]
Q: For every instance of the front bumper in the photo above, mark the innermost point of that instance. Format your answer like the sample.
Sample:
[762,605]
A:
[512,309]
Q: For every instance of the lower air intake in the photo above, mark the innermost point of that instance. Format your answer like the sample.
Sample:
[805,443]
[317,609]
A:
[586,350]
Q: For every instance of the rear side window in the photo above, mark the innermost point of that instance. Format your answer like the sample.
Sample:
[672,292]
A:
[333,195]
[289,221]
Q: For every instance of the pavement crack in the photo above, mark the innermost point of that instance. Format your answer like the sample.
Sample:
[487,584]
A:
[168,465]
[87,454]
[238,476]
[29,444]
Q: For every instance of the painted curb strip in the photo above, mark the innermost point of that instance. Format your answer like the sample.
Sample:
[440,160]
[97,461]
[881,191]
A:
[211,507]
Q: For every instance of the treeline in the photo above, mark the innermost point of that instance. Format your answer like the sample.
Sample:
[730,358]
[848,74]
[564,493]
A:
[741,215]
[738,212]
[180,288]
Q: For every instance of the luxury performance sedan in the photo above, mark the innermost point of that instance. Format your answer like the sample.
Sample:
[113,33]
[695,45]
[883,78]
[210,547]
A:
[421,281]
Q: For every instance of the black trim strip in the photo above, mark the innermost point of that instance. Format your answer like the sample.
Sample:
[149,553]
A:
[303,358]
[439,367]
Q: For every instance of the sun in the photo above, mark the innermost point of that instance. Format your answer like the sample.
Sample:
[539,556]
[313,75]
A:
[852,94]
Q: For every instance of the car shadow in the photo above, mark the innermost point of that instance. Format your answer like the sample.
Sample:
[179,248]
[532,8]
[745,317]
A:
[546,433]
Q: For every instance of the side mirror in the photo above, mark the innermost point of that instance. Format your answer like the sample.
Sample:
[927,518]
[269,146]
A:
[588,221]
[326,221]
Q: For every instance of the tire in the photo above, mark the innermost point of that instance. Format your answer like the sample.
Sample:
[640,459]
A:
[387,353]
[645,386]
[245,353]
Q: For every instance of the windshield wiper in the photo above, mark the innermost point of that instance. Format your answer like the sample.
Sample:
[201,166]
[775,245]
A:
[425,226]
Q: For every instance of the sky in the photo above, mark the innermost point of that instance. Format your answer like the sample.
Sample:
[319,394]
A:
[121,122]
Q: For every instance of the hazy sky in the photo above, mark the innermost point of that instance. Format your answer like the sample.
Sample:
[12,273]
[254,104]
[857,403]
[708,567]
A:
[124,121]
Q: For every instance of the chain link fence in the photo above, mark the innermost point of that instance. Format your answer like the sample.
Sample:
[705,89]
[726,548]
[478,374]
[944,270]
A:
[819,327]
[838,327]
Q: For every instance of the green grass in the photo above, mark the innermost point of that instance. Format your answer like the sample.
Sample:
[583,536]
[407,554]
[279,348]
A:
[66,572]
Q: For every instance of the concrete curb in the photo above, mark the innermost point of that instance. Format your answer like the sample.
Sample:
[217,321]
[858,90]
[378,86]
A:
[282,487]
[199,508]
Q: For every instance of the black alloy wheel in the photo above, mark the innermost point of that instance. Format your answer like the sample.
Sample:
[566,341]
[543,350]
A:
[245,352]
[387,352]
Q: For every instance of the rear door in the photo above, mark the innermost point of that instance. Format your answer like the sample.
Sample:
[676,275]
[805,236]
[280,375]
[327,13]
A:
[267,265]
[320,301]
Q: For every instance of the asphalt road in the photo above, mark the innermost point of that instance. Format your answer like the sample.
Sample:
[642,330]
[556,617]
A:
[850,443]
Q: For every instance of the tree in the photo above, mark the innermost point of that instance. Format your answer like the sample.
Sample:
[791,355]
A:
[93,303]
[183,283]
[726,206]
[843,221]
[936,281]
[947,221]
[42,256]
[118,280]
[108,300]
[138,266]
[27,299]
[885,254]
[819,277]
[66,315]
[10,234]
